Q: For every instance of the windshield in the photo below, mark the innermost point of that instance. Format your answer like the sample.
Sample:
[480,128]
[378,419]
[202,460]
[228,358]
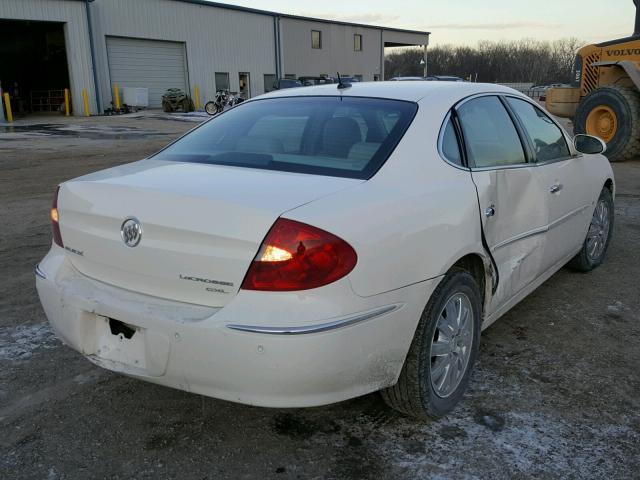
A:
[337,136]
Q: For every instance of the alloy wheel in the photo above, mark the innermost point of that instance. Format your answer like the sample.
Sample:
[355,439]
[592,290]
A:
[451,344]
[598,233]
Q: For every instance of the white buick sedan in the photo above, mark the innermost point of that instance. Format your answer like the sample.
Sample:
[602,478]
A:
[313,245]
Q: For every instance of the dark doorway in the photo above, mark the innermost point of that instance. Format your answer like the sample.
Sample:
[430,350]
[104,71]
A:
[33,65]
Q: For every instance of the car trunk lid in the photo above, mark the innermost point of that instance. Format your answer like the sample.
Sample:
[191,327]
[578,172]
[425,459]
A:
[201,224]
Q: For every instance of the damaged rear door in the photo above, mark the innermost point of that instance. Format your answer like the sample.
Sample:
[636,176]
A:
[513,206]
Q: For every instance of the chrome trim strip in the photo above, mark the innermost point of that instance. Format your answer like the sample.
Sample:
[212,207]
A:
[503,167]
[523,235]
[539,230]
[566,217]
[317,328]
[40,273]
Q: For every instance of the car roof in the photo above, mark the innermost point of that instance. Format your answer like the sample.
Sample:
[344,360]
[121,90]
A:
[448,92]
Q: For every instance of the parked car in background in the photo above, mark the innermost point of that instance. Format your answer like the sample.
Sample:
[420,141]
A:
[283,83]
[538,92]
[310,246]
[445,78]
[407,79]
[345,79]
[310,81]
[440,78]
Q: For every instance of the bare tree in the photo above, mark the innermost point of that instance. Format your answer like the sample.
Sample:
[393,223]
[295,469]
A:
[525,60]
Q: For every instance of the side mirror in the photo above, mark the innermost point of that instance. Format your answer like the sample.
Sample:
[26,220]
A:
[589,144]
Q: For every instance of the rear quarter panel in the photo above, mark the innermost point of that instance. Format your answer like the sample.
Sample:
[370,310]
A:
[411,221]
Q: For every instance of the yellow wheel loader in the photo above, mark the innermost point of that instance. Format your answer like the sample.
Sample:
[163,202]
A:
[604,99]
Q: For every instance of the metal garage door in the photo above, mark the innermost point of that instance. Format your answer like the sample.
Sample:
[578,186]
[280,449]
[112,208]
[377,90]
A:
[151,64]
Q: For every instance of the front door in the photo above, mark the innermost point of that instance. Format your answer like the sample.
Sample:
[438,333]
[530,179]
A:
[565,181]
[245,86]
[511,196]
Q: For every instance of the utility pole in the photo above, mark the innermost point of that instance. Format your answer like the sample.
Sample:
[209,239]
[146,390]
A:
[425,60]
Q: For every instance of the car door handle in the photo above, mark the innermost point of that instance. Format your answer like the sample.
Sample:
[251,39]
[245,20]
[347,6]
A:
[555,188]
[490,211]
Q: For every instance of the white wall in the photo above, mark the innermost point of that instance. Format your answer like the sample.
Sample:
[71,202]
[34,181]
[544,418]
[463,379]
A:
[73,15]
[216,39]
[337,53]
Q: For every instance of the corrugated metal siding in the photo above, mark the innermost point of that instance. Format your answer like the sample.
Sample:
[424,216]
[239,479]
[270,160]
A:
[337,53]
[151,64]
[73,15]
[216,39]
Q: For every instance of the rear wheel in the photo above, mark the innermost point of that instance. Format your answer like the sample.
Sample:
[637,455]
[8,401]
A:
[186,105]
[598,236]
[436,371]
[166,106]
[613,114]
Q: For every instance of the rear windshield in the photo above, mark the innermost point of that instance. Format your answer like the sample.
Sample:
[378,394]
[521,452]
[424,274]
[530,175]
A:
[337,136]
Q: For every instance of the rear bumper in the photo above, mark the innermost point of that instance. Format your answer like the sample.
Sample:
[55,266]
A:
[269,349]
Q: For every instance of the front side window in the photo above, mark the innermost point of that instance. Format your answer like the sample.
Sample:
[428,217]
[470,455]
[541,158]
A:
[357,42]
[489,134]
[222,81]
[316,39]
[345,137]
[547,139]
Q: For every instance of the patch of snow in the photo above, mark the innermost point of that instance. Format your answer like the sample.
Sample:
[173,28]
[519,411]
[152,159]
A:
[22,135]
[20,343]
[528,444]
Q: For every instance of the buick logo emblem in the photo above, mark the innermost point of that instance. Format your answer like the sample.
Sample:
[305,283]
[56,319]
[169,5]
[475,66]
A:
[131,232]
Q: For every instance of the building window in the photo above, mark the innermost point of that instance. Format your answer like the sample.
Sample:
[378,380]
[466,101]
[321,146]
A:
[316,39]
[269,82]
[357,42]
[222,81]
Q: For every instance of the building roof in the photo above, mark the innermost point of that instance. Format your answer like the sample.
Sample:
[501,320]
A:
[298,17]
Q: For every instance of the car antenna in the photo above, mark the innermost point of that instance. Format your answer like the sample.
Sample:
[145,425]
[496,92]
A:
[340,84]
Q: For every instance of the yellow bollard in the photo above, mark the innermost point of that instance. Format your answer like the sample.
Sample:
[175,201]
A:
[196,94]
[85,101]
[116,95]
[7,103]
[66,102]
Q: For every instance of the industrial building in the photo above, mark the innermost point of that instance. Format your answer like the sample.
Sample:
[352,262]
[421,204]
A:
[90,45]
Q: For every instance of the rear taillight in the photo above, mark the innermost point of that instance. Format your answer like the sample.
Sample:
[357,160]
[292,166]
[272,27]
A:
[55,220]
[297,256]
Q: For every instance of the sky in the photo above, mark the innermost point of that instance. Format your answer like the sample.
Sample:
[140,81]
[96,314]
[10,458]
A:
[468,21]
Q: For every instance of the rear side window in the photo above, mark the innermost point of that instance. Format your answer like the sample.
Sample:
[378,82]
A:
[489,134]
[450,146]
[548,140]
[337,136]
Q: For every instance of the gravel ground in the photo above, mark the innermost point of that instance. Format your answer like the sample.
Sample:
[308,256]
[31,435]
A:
[555,394]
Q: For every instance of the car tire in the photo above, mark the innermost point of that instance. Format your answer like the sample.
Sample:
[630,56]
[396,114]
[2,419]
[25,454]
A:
[417,393]
[595,245]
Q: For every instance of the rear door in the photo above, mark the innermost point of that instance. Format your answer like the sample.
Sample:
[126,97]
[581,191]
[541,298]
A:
[566,180]
[511,196]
